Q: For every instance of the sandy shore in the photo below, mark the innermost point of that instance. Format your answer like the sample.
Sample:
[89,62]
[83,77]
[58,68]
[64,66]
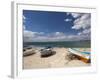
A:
[57,60]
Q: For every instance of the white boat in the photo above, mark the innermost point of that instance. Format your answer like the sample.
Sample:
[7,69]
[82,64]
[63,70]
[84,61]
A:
[28,52]
[81,55]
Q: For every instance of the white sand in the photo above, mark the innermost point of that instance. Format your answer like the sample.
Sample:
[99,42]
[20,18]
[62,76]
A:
[57,60]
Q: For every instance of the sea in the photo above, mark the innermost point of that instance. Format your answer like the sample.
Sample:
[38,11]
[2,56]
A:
[67,44]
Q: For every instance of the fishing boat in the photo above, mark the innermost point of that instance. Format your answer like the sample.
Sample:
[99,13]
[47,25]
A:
[46,52]
[81,55]
[28,51]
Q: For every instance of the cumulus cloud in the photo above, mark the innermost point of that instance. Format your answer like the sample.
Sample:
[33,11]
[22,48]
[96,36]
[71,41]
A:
[82,22]
[24,19]
[56,36]
[30,36]
[75,15]
[84,32]
[67,20]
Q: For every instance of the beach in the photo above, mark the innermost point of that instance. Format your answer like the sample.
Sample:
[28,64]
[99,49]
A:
[58,60]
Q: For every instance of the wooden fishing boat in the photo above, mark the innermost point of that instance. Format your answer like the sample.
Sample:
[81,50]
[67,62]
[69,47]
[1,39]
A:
[83,56]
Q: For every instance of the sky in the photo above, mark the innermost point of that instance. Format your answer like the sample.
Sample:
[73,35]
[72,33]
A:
[41,26]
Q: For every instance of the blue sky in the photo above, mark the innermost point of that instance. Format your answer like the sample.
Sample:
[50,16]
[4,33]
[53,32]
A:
[55,26]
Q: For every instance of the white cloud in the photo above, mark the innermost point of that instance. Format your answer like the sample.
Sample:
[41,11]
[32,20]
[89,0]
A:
[85,32]
[30,36]
[57,36]
[67,20]
[58,33]
[75,15]
[24,17]
[82,22]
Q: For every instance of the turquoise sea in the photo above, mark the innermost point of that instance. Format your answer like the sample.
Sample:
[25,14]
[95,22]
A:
[71,44]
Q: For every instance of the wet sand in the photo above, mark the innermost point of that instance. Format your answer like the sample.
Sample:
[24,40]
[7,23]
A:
[55,61]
